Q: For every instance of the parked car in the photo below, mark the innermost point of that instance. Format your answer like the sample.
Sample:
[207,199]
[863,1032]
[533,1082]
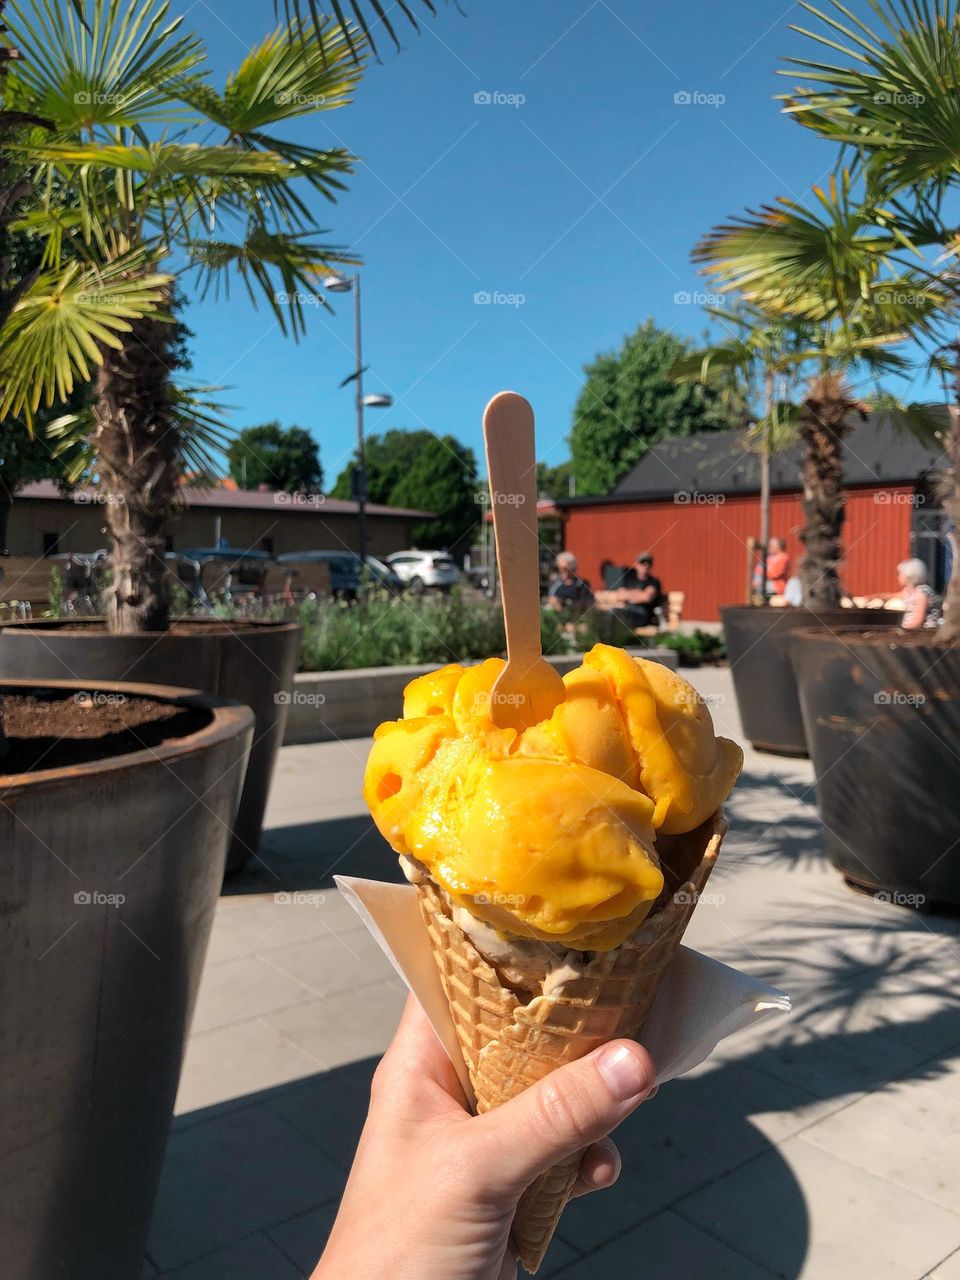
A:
[421,570]
[345,571]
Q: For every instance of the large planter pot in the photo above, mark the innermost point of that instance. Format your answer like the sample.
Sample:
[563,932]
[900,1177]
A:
[248,662]
[109,878]
[882,716]
[756,638]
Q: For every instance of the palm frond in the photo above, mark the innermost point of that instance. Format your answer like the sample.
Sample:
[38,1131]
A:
[112,67]
[297,10]
[284,269]
[54,334]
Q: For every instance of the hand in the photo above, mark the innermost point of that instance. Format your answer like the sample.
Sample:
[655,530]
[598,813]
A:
[433,1189]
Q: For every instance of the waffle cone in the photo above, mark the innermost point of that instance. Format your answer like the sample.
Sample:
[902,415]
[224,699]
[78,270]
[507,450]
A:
[512,1039]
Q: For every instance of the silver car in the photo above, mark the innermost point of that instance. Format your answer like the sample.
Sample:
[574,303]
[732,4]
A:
[423,570]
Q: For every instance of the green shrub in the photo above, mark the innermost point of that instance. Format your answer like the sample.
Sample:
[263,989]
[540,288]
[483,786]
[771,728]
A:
[699,646]
[388,631]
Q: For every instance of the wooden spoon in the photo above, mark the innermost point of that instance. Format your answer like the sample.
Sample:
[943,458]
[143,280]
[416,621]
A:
[528,688]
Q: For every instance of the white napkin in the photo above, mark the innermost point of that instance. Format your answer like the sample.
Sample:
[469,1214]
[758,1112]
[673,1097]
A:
[699,1001]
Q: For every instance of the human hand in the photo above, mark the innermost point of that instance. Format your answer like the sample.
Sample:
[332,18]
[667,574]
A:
[433,1189]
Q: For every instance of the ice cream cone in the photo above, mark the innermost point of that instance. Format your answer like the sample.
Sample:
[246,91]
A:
[512,1037]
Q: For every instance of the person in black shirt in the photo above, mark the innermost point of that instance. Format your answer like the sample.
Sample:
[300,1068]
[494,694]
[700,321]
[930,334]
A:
[567,591]
[638,594]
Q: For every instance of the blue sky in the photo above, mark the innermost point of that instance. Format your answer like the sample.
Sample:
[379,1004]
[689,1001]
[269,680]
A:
[573,197]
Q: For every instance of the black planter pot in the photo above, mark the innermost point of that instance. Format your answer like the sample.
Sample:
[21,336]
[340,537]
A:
[883,723]
[756,639]
[248,662]
[110,874]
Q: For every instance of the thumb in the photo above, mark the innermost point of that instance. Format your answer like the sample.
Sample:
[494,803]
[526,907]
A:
[573,1106]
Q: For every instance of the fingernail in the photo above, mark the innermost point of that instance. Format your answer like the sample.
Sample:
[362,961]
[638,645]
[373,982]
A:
[624,1071]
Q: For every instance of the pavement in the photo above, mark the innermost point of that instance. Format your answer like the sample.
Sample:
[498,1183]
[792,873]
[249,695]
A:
[823,1145]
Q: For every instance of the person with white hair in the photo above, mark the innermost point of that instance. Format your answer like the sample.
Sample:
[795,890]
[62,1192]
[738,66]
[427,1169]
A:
[568,591]
[918,598]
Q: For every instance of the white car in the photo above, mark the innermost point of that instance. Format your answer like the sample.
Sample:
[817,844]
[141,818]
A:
[423,569]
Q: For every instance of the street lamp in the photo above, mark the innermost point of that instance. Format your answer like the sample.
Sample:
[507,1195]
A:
[351,284]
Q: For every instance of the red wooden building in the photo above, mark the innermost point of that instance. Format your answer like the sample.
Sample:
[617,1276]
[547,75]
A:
[694,503]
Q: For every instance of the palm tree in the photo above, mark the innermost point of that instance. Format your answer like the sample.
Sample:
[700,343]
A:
[890,94]
[128,97]
[765,353]
[833,268]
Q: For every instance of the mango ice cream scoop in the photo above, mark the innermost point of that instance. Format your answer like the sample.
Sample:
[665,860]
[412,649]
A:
[549,833]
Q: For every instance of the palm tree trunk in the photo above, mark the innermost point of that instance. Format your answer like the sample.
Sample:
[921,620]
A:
[138,448]
[827,404]
[765,491]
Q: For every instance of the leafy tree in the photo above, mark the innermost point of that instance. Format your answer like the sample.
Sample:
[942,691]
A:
[285,458]
[629,401]
[554,482]
[423,471]
[169,175]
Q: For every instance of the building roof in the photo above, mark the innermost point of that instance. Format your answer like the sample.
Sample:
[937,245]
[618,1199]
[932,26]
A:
[879,451]
[242,499]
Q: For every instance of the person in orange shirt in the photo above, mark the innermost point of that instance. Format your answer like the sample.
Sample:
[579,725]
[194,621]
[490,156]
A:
[778,568]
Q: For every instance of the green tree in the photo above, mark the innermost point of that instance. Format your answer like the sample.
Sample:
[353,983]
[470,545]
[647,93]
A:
[284,458]
[422,471]
[629,401]
[889,93]
[554,482]
[170,175]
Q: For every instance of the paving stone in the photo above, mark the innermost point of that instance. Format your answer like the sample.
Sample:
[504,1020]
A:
[240,989]
[949,1269]
[303,1238]
[241,1059]
[331,964]
[908,1133]
[344,1027]
[330,1109]
[665,1248]
[805,1213]
[254,1258]
[236,1174]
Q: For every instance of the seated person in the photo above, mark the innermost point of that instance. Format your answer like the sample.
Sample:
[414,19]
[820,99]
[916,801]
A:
[567,591]
[919,602]
[638,594]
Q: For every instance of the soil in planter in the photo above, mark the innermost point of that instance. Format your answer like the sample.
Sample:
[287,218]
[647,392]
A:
[178,627]
[54,730]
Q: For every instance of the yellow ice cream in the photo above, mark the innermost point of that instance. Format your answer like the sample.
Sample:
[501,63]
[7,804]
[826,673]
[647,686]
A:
[550,833]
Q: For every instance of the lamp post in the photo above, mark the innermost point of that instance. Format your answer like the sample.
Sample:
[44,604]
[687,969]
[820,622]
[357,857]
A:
[351,284]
